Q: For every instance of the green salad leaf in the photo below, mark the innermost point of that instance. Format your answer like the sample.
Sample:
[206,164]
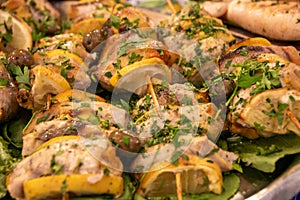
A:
[7,161]
[263,153]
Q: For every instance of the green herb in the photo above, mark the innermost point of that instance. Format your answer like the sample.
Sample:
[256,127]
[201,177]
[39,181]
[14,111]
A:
[126,140]
[64,187]
[152,4]
[55,167]
[259,127]
[7,36]
[71,128]
[253,73]
[129,25]
[244,52]
[85,105]
[101,15]
[108,74]
[105,124]
[134,58]
[64,70]
[175,156]
[3,82]
[117,65]
[43,118]
[115,21]
[292,98]
[106,171]
[279,113]
[94,119]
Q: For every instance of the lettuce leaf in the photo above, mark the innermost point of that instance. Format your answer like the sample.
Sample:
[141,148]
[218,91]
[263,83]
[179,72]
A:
[263,153]
[6,163]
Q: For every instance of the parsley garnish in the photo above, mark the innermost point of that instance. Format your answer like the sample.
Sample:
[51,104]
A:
[134,58]
[115,21]
[3,82]
[106,171]
[7,36]
[117,65]
[108,74]
[21,77]
[43,118]
[251,72]
[126,140]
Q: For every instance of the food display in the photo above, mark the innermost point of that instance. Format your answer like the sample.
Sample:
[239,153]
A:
[106,100]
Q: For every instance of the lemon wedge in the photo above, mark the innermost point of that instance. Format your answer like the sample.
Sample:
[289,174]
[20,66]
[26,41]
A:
[78,95]
[197,175]
[149,66]
[85,26]
[271,58]
[47,81]
[57,139]
[56,55]
[256,41]
[17,29]
[76,184]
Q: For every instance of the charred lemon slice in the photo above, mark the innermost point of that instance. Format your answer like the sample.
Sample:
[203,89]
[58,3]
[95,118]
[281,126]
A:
[85,26]
[57,56]
[134,77]
[78,95]
[191,175]
[256,41]
[56,140]
[47,81]
[76,184]
[271,58]
[149,66]
[14,31]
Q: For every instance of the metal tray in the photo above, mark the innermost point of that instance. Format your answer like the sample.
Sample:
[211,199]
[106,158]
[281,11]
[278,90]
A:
[287,184]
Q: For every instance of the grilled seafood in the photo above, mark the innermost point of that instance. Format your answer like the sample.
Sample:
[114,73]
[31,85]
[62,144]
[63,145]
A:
[262,16]
[69,156]
[80,144]
[266,76]
[71,118]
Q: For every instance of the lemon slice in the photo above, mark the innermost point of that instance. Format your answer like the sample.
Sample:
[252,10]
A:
[21,32]
[197,175]
[47,81]
[256,41]
[85,26]
[272,58]
[77,95]
[139,70]
[58,55]
[56,140]
[76,184]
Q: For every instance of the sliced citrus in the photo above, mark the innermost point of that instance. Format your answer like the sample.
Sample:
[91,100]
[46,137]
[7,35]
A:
[75,184]
[256,41]
[272,58]
[77,95]
[57,55]
[149,66]
[85,26]
[197,175]
[14,31]
[56,140]
[47,81]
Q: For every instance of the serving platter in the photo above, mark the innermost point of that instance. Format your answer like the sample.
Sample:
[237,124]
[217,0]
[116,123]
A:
[283,186]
